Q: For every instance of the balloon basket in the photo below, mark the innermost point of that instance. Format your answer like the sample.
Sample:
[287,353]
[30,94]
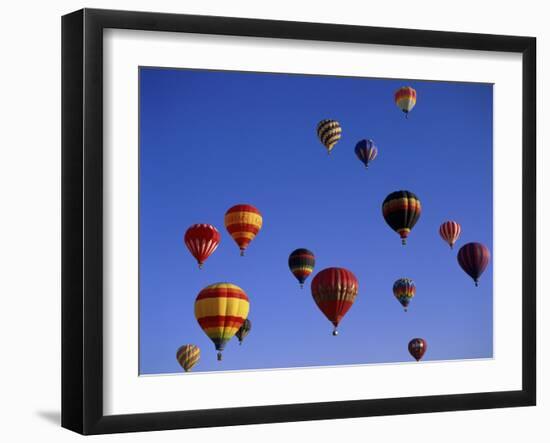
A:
[335,332]
[200,265]
[242,252]
[219,356]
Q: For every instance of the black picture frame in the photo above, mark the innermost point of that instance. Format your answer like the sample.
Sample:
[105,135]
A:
[82,220]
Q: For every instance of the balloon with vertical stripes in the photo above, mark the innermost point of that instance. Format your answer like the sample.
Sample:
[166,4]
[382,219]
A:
[449,232]
[334,291]
[473,258]
[366,151]
[202,240]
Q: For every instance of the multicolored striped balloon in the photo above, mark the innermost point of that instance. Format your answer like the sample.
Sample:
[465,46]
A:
[405,99]
[404,290]
[401,210]
[329,132]
[202,240]
[221,310]
[334,291]
[244,330]
[473,258]
[188,356]
[366,151]
[301,263]
[450,231]
[417,348]
[243,222]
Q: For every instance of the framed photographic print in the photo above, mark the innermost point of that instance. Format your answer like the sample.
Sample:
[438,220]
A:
[269,221]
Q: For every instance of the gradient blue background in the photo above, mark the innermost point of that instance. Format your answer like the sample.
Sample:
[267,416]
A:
[209,140]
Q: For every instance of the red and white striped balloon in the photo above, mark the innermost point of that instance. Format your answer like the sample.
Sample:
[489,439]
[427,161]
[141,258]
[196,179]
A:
[450,231]
[202,240]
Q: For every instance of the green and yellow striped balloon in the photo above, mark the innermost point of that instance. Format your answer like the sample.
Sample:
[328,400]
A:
[188,356]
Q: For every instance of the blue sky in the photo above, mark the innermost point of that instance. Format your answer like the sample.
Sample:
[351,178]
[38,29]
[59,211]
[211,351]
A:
[209,140]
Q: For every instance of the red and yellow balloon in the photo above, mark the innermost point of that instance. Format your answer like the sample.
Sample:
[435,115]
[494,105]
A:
[243,222]
[221,310]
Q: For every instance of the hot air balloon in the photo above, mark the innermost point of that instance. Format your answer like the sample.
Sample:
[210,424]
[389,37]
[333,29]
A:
[221,310]
[188,356]
[401,210]
[329,132]
[202,240]
[404,290]
[301,263]
[244,330]
[473,258]
[366,151]
[243,222]
[450,231]
[334,290]
[405,99]
[417,348]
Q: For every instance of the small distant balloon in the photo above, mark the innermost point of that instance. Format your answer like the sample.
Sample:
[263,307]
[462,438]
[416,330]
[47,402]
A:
[243,222]
[404,290]
[329,132]
[202,240]
[366,151]
[417,348]
[244,330]
[188,356]
[405,99]
[473,258]
[301,263]
[449,232]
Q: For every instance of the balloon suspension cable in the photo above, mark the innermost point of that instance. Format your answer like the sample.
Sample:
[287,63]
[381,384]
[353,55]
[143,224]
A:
[219,356]
[242,252]
[335,332]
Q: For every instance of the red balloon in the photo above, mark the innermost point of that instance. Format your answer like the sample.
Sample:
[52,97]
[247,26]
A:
[417,348]
[202,240]
[473,258]
[450,231]
[334,290]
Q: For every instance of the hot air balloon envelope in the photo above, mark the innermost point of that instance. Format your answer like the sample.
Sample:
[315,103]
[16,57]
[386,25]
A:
[301,263]
[221,310]
[334,290]
[401,210]
[202,240]
[243,222]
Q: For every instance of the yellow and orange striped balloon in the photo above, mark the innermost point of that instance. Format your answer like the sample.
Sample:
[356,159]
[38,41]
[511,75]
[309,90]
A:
[221,310]
[188,356]
[405,99]
[243,222]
